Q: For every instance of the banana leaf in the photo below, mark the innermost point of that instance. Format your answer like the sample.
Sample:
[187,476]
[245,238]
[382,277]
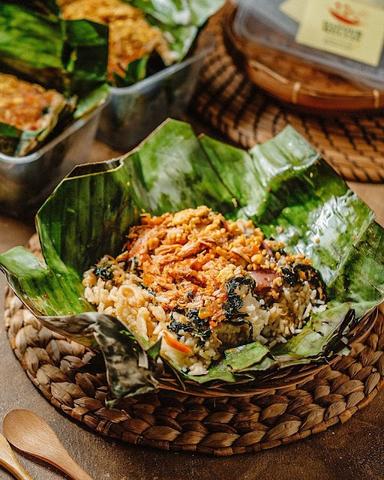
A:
[180,21]
[69,56]
[22,140]
[135,71]
[283,185]
[9,138]
[46,7]
[56,114]
[18,142]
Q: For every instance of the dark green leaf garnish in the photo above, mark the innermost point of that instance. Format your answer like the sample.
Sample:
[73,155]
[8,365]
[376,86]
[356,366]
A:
[237,288]
[104,272]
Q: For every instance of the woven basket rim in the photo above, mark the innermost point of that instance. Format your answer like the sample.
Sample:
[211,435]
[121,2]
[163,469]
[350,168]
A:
[174,421]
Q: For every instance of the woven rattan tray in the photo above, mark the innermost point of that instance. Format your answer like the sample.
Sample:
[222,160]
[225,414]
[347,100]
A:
[227,100]
[309,402]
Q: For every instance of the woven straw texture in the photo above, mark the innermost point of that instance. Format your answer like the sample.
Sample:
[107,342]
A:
[227,100]
[172,420]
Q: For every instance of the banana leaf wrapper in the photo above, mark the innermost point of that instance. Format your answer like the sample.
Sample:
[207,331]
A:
[180,22]
[17,142]
[46,7]
[281,183]
[32,112]
[68,55]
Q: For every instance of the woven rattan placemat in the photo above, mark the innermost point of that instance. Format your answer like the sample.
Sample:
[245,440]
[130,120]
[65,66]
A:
[65,374]
[228,101]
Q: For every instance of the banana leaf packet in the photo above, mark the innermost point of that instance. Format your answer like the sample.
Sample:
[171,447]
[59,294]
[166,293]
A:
[145,36]
[41,56]
[283,186]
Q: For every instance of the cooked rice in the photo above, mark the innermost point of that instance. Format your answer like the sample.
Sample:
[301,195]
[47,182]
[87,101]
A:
[131,37]
[204,284]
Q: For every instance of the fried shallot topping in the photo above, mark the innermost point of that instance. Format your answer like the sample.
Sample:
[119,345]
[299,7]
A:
[188,257]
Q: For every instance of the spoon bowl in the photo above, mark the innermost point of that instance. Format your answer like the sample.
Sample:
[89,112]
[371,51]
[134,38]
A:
[29,433]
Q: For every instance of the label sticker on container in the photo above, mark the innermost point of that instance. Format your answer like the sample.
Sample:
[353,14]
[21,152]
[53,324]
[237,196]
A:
[348,28]
[294,9]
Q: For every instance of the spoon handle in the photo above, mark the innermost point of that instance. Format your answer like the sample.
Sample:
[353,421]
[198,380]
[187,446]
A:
[9,461]
[71,468]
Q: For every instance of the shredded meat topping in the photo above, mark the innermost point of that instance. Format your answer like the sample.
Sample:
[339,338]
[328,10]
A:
[187,257]
[25,105]
[131,37]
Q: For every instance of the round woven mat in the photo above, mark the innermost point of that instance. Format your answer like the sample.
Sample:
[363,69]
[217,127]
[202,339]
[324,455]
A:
[227,100]
[64,373]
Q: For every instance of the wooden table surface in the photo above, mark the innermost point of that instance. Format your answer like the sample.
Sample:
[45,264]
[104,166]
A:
[353,451]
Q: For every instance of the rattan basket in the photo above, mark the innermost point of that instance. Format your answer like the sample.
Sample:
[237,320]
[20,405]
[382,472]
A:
[288,406]
[296,82]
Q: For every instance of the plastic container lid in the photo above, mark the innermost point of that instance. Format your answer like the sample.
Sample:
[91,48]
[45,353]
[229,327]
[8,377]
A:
[263,23]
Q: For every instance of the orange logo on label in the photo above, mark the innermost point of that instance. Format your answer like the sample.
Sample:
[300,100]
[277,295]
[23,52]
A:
[344,13]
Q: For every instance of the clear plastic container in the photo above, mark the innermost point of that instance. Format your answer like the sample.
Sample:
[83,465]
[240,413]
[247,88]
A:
[263,23]
[133,112]
[26,181]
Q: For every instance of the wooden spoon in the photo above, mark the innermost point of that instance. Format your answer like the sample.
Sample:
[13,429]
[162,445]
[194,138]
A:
[31,434]
[10,462]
